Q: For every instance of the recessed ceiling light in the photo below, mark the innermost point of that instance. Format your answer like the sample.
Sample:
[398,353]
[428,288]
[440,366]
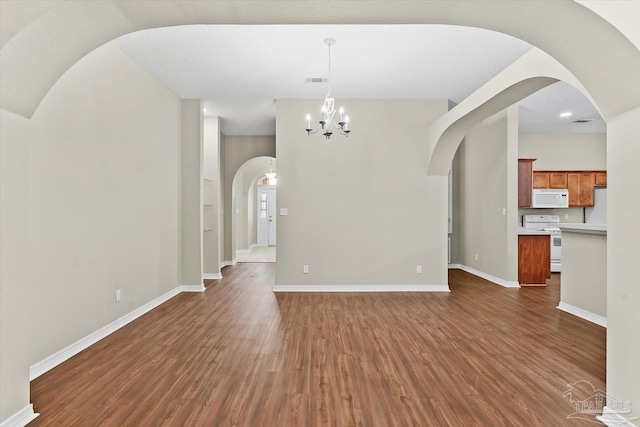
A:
[566,114]
[204,110]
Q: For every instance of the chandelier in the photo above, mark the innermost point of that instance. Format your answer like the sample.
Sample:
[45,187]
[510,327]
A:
[271,174]
[328,110]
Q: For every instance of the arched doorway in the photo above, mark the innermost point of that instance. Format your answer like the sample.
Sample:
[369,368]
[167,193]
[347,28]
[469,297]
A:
[254,219]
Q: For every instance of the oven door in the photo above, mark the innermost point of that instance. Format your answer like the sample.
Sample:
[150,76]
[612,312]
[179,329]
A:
[556,252]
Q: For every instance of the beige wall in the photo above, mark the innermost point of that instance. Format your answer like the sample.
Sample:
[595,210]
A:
[488,156]
[584,272]
[191,231]
[104,191]
[564,151]
[623,269]
[361,209]
[237,151]
[15,265]
[212,190]
[222,201]
[456,250]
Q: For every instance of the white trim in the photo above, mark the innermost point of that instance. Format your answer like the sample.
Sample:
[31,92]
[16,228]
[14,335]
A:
[20,418]
[610,418]
[211,276]
[486,276]
[458,266]
[55,359]
[225,263]
[242,251]
[583,314]
[361,288]
[193,288]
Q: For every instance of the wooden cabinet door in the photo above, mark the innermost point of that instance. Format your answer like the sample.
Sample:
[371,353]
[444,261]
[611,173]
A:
[601,178]
[540,179]
[573,184]
[525,176]
[558,180]
[534,260]
[587,181]
[580,185]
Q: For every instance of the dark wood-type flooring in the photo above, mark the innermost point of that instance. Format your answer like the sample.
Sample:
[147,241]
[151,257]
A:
[240,355]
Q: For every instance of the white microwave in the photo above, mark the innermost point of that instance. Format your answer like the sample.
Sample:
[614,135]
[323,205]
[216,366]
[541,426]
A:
[550,198]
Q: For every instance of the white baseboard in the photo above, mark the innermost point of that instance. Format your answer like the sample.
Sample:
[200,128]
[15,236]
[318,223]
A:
[20,418]
[242,251]
[361,288]
[583,314]
[610,418]
[193,288]
[66,353]
[214,276]
[225,263]
[486,276]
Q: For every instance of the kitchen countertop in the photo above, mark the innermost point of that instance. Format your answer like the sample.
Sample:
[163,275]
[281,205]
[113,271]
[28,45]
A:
[583,228]
[530,232]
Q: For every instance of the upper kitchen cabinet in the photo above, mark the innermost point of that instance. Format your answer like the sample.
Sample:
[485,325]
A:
[601,178]
[580,185]
[540,179]
[558,180]
[550,179]
[525,182]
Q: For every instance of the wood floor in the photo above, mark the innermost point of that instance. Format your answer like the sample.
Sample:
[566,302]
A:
[240,355]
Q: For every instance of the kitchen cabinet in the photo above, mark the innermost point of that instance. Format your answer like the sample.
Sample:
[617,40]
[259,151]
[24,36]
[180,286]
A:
[600,178]
[525,182]
[581,185]
[550,179]
[558,180]
[540,179]
[534,260]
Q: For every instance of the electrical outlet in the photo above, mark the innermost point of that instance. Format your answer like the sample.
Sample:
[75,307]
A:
[476,257]
[305,269]
[419,269]
[566,216]
[118,295]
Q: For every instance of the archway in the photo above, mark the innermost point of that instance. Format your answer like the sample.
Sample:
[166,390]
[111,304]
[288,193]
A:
[38,54]
[244,196]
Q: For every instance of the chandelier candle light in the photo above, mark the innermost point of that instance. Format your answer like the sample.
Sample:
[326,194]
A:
[327,124]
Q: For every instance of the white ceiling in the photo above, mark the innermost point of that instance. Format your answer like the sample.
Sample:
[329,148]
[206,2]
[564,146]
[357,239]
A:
[238,71]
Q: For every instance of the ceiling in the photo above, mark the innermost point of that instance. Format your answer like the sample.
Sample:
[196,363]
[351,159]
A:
[239,71]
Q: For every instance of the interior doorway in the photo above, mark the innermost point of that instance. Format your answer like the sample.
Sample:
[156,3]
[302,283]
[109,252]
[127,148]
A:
[266,215]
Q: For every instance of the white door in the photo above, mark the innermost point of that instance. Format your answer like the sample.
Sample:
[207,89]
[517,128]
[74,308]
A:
[271,203]
[266,216]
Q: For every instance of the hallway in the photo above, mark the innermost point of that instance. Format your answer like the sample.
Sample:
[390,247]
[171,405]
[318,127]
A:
[258,254]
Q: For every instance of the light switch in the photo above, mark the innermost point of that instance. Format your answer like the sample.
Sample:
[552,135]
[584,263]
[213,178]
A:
[284,211]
